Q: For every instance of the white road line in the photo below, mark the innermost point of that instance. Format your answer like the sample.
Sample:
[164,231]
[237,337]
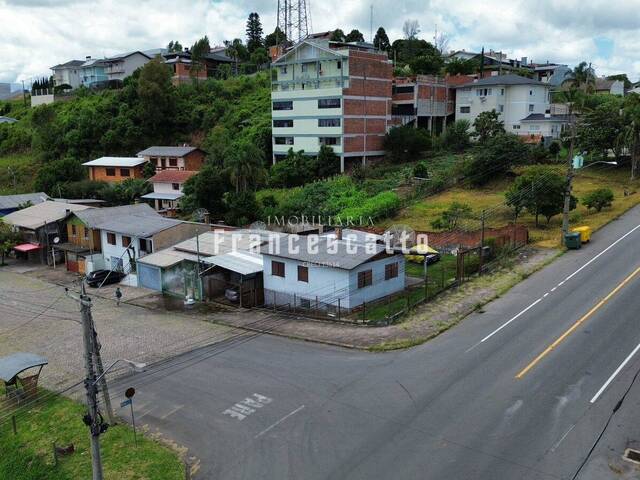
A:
[553,449]
[171,412]
[554,288]
[622,365]
[545,295]
[279,421]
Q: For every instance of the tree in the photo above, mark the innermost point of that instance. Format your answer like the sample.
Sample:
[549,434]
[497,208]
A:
[337,36]
[327,162]
[599,129]
[630,134]
[598,199]
[405,144]
[259,57]
[449,219]
[429,64]
[275,38]
[199,50]
[381,40]
[623,78]
[419,55]
[254,32]
[487,124]
[495,157]
[354,36]
[149,170]
[156,97]
[127,192]
[292,171]
[174,46]
[245,165]
[554,149]
[58,172]
[456,137]
[242,208]
[411,29]
[236,50]
[458,66]
[581,77]
[206,190]
[8,240]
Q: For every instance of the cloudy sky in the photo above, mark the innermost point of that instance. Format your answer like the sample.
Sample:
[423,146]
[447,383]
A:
[36,34]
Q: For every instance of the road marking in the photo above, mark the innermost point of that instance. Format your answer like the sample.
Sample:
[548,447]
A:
[279,421]
[246,407]
[557,444]
[622,365]
[573,327]
[554,288]
[171,412]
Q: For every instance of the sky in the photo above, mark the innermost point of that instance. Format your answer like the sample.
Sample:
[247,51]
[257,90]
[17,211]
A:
[37,34]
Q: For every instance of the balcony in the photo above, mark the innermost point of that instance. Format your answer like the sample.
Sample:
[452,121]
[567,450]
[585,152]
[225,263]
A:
[308,82]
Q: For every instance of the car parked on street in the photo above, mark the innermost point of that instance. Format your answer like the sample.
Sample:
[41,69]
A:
[103,277]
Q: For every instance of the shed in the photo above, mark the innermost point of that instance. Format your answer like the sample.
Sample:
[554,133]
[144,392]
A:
[13,365]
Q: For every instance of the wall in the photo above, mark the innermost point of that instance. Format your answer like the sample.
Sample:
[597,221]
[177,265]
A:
[117,250]
[194,160]
[182,231]
[92,240]
[41,100]
[127,66]
[100,173]
[380,287]
[150,277]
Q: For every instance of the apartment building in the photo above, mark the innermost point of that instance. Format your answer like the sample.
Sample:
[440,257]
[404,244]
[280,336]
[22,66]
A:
[122,66]
[332,93]
[69,73]
[512,96]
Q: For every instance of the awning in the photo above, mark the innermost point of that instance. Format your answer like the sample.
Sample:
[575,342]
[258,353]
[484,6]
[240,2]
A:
[19,362]
[162,196]
[27,247]
[244,263]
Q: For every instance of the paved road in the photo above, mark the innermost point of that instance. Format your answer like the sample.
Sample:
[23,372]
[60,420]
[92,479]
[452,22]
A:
[520,391]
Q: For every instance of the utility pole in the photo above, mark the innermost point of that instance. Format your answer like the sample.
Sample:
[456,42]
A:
[92,418]
[24,95]
[97,358]
[567,192]
[482,221]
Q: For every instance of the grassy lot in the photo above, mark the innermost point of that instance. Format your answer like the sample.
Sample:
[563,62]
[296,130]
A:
[28,455]
[420,214]
[17,172]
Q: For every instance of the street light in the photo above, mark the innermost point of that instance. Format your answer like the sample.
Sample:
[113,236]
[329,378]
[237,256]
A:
[135,366]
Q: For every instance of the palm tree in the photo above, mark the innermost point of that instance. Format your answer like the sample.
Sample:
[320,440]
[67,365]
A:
[581,77]
[630,135]
[245,165]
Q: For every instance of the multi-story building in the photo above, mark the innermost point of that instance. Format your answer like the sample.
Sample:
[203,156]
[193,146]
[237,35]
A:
[115,169]
[92,72]
[184,157]
[512,96]
[121,66]
[68,73]
[331,93]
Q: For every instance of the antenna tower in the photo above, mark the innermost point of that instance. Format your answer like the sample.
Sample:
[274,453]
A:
[293,19]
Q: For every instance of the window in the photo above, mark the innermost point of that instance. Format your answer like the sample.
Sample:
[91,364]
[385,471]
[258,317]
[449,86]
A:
[365,278]
[534,128]
[175,186]
[328,122]
[283,69]
[391,271]
[329,103]
[283,123]
[126,241]
[111,172]
[305,67]
[516,127]
[502,92]
[483,92]
[531,93]
[111,238]
[403,89]
[146,245]
[500,108]
[277,269]
[125,172]
[173,162]
[531,107]
[86,233]
[329,140]
[303,274]
[283,105]
[73,230]
[283,140]
[305,303]
[339,64]
[465,109]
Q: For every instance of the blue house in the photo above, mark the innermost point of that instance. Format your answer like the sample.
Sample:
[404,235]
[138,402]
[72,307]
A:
[93,72]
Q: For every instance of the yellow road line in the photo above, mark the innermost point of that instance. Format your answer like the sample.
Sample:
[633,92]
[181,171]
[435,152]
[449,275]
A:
[573,327]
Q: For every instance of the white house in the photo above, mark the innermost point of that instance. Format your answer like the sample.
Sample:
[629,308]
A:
[544,125]
[167,188]
[512,96]
[327,272]
[122,66]
[69,73]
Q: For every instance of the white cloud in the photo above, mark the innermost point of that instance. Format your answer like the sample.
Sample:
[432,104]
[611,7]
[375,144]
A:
[37,34]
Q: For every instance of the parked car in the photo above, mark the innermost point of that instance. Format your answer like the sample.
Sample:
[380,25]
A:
[103,277]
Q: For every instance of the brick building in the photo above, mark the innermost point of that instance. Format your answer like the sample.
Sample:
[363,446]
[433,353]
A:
[174,158]
[115,169]
[332,93]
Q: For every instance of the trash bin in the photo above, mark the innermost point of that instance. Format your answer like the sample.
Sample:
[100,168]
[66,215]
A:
[585,233]
[572,240]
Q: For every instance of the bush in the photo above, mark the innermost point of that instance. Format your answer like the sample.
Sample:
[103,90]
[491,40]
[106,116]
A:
[420,170]
[379,206]
[598,199]
[406,144]
[456,137]
[59,172]
[495,157]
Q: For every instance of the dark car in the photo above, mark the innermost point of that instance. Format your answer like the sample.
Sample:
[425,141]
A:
[103,277]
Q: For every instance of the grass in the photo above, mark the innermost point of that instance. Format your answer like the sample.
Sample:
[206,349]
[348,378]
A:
[420,214]
[28,455]
[17,172]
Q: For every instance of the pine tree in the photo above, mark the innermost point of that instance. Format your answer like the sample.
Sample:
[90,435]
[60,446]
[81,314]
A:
[354,36]
[381,40]
[275,38]
[254,32]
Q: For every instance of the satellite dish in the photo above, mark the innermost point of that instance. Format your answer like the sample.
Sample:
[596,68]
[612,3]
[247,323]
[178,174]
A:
[199,214]
[56,240]
[258,226]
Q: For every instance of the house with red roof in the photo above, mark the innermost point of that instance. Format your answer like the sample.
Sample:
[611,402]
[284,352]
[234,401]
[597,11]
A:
[167,189]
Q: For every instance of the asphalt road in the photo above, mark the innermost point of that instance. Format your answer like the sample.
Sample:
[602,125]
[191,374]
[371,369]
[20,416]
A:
[519,391]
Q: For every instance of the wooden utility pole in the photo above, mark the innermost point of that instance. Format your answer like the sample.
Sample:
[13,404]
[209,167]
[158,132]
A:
[97,358]
[567,192]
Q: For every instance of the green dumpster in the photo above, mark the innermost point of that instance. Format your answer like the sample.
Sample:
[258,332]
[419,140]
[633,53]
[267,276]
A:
[572,240]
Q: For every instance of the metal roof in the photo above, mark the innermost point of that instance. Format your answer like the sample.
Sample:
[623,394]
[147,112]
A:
[12,201]
[167,151]
[167,258]
[322,250]
[244,263]
[138,225]
[163,196]
[69,64]
[115,162]
[4,119]
[45,212]
[13,365]
[541,117]
[502,80]
[96,216]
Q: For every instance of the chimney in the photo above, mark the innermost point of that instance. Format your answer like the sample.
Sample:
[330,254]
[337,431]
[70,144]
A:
[88,57]
[338,233]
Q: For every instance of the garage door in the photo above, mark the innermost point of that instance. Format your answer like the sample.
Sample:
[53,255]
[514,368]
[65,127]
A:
[149,277]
